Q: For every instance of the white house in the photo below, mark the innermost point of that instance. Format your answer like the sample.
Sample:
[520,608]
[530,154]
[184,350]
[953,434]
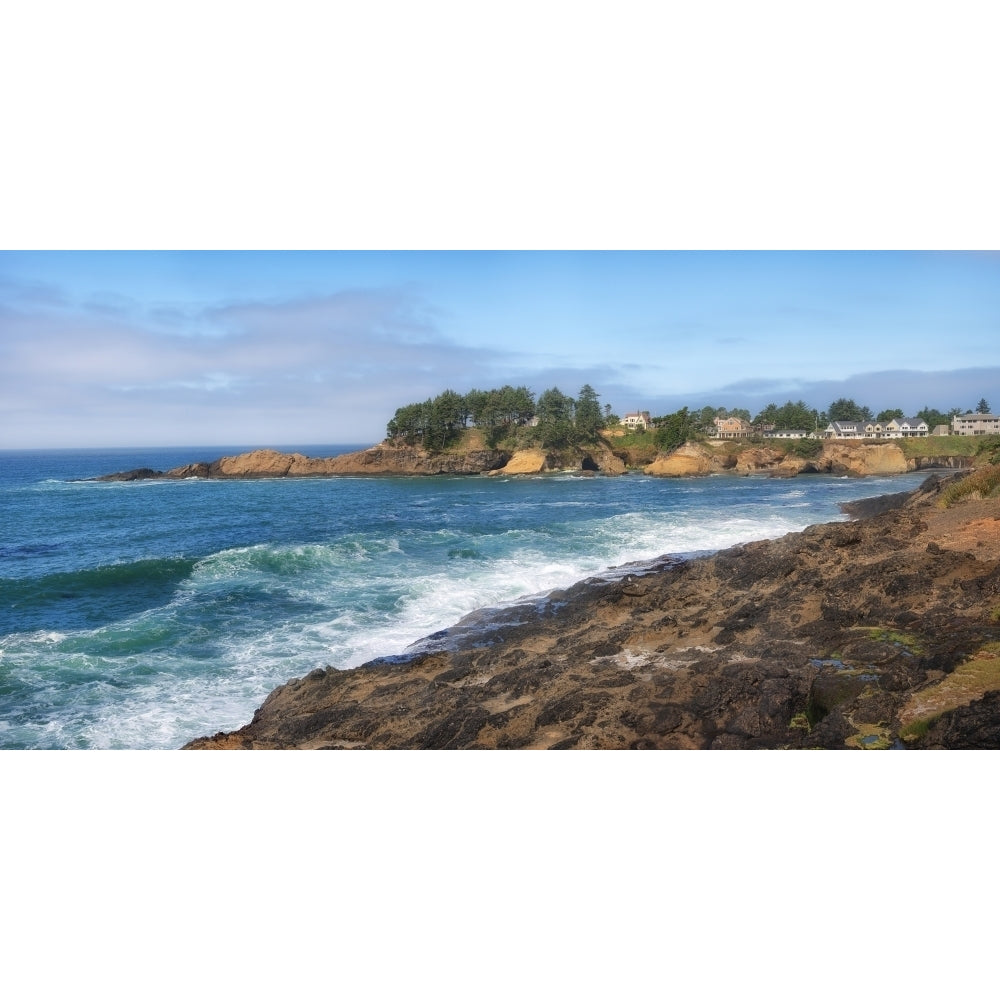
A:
[902,427]
[845,429]
[637,420]
[908,427]
[787,434]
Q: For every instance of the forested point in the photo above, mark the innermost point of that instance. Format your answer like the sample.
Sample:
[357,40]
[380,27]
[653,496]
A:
[552,420]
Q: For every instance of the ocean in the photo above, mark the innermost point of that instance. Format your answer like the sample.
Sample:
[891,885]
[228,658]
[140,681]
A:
[140,615]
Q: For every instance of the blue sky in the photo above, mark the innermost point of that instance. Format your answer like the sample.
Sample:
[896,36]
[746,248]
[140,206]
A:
[171,348]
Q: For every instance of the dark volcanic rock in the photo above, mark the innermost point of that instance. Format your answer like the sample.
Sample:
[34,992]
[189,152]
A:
[969,727]
[133,475]
[841,636]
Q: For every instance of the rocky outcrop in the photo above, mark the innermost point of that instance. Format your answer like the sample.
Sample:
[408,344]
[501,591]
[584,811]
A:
[382,460]
[849,458]
[751,460]
[839,458]
[605,461]
[390,460]
[528,461]
[405,460]
[858,635]
[939,462]
[531,461]
[687,460]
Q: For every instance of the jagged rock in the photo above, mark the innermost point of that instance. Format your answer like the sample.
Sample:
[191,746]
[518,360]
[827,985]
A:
[975,726]
[526,462]
[263,464]
[133,475]
[850,458]
[757,460]
[531,461]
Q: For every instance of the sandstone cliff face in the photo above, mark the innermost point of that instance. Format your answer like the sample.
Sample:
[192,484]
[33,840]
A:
[607,462]
[525,462]
[687,460]
[531,461]
[857,635]
[757,460]
[857,459]
[840,458]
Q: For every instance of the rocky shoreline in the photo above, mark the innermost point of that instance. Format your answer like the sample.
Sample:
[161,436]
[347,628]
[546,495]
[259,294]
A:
[836,458]
[879,632]
[387,460]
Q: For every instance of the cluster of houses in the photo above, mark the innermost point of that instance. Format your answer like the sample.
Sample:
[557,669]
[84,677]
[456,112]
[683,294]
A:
[967,425]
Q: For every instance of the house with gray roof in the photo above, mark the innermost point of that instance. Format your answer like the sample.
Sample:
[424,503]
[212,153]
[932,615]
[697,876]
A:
[907,427]
[853,429]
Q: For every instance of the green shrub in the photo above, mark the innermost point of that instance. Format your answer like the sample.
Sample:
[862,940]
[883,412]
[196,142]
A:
[805,447]
[989,449]
[984,482]
[917,729]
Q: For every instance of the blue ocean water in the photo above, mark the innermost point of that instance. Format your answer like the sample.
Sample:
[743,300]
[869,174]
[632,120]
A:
[140,615]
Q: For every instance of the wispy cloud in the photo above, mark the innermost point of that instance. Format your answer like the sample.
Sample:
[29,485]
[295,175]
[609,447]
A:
[133,349]
[347,360]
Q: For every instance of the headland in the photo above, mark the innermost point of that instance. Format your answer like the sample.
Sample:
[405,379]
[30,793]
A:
[471,455]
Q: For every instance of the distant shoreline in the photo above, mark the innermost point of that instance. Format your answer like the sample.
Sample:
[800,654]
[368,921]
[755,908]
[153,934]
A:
[601,458]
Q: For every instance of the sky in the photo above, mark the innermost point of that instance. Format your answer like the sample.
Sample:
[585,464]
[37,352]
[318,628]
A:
[146,348]
[695,142]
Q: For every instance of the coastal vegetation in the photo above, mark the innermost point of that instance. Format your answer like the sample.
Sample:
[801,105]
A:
[513,417]
[508,415]
[983,482]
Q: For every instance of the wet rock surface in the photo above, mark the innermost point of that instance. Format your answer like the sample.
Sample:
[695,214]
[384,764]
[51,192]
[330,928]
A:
[865,634]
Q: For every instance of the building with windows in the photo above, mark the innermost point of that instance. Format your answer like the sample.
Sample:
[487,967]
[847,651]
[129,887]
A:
[870,430]
[906,427]
[732,427]
[787,433]
[637,421]
[853,429]
[975,424]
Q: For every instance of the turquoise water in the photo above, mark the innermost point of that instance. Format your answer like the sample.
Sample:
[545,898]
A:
[140,615]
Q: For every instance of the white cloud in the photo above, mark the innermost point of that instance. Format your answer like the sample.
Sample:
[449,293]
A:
[339,364]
